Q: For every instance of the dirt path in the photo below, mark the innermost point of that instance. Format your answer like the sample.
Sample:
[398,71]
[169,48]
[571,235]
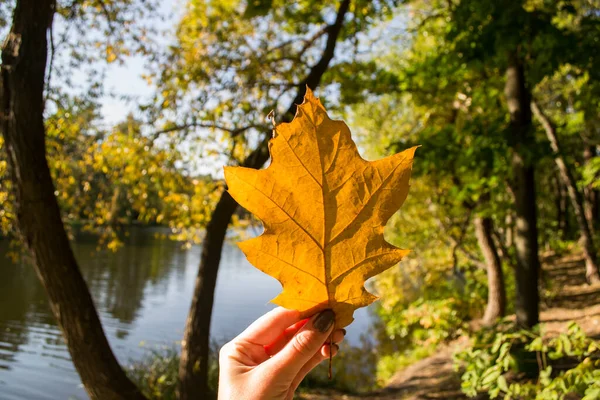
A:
[566,297]
[569,297]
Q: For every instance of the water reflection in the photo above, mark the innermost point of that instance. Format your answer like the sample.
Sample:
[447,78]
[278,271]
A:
[142,293]
[120,281]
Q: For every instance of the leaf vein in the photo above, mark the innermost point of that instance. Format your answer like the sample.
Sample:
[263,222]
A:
[301,163]
[342,275]
[292,265]
[387,178]
[286,213]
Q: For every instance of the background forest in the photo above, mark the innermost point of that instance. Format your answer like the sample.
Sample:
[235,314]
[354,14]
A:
[501,288]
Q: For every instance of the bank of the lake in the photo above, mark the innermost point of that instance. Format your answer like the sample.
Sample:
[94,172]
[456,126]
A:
[142,293]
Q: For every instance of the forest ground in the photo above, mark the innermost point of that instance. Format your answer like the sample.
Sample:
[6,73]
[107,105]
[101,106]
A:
[565,297]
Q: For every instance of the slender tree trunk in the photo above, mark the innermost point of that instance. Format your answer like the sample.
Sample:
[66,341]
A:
[559,205]
[21,120]
[193,378]
[589,251]
[566,219]
[590,194]
[496,304]
[196,344]
[510,237]
[523,186]
[115,207]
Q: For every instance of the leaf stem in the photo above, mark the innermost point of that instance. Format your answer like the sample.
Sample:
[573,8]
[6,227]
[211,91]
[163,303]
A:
[330,354]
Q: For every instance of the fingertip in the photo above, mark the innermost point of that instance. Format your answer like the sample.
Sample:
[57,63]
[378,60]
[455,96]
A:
[327,349]
[338,336]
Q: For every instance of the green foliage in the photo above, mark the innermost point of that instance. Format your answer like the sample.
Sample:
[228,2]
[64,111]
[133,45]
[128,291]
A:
[425,322]
[108,179]
[591,173]
[505,363]
[7,213]
[438,313]
[446,93]
[157,373]
[353,370]
[390,364]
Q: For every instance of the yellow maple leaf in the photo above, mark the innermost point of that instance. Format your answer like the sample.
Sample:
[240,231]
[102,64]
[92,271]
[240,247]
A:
[323,209]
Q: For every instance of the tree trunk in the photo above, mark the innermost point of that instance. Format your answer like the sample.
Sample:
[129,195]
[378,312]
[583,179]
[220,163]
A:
[589,251]
[193,369]
[566,220]
[523,187]
[115,205]
[561,208]
[510,237]
[496,304]
[21,120]
[590,195]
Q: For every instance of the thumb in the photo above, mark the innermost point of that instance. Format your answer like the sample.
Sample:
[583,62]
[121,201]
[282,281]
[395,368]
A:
[304,345]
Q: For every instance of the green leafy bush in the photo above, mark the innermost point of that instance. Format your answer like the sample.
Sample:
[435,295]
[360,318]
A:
[426,322]
[416,331]
[520,364]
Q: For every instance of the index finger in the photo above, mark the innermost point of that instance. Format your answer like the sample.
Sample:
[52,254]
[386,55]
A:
[270,326]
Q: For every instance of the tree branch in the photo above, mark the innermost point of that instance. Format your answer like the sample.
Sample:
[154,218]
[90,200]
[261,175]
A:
[260,155]
[51,61]
[106,12]
[317,71]
[232,131]
[456,244]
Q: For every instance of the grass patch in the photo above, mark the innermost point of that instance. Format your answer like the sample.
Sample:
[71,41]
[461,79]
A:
[389,364]
[156,373]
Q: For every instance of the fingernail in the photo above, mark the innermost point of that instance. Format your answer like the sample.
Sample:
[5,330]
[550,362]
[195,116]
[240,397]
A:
[344,332]
[324,321]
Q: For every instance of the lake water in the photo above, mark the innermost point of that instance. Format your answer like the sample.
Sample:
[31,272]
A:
[142,293]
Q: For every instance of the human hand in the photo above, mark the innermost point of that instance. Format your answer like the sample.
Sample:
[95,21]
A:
[271,357]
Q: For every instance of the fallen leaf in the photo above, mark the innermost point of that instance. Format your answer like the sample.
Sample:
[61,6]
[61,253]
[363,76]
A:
[323,209]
